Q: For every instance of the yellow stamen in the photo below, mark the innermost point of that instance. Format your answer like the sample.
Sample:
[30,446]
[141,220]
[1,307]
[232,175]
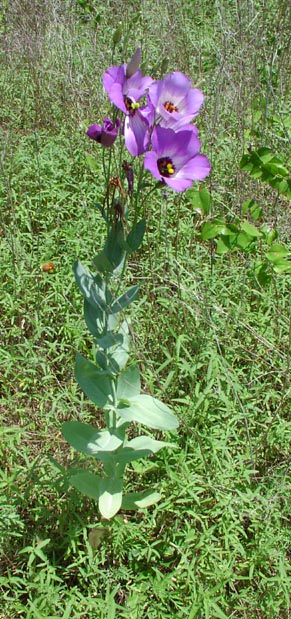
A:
[170,168]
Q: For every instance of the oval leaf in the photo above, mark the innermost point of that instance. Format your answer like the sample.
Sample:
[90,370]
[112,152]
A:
[140,447]
[146,443]
[282,266]
[200,200]
[277,252]
[90,441]
[110,497]
[250,230]
[136,235]
[150,412]
[124,300]
[140,500]
[87,483]
[93,289]
[244,240]
[128,385]
[95,383]
[212,229]
[95,319]
[109,340]
[111,258]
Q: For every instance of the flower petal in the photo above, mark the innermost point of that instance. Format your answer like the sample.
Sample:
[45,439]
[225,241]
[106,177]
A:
[194,101]
[150,163]
[180,150]
[136,134]
[135,86]
[196,168]
[174,99]
[94,132]
[180,146]
[178,184]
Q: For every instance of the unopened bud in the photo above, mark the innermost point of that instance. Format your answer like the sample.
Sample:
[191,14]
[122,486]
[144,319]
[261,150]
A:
[133,64]
[117,35]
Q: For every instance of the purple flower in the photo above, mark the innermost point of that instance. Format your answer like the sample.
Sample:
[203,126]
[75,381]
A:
[175,158]
[126,86]
[105,134]
[176,103]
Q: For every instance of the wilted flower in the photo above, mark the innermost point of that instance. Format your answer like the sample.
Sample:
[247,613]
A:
[175,158]
[175,102]
[127,168]
[105,134]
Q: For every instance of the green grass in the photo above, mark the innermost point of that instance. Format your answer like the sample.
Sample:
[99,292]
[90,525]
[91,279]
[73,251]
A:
[211,342]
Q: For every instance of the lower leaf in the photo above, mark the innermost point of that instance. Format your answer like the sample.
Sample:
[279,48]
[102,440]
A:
[140,500]
[110,497]
[87,483]
[149,411]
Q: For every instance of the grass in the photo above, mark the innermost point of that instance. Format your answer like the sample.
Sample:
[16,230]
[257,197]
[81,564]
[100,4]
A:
[211,341]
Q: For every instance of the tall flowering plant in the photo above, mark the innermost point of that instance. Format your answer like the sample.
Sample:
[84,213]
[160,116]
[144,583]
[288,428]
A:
[152,121]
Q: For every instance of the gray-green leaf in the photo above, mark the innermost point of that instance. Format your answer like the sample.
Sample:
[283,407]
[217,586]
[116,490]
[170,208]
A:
[148,411]
[95,383]
[124,300]
[90,441]
[110,497]
[140,447]
[140,500]
[87,483]
[128,385]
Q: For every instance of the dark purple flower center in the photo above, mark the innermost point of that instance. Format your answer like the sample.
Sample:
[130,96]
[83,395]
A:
[130,105]
[166,166]
[170,107]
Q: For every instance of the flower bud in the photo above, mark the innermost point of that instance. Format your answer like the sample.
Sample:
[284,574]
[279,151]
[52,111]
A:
[133,65]
[105,134]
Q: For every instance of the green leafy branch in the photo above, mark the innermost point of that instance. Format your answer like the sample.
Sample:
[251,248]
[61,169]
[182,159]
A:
[262,164]
[113,385]
[236,233]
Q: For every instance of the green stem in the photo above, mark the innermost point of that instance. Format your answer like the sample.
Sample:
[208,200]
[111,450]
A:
[110,419]
[138,189]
